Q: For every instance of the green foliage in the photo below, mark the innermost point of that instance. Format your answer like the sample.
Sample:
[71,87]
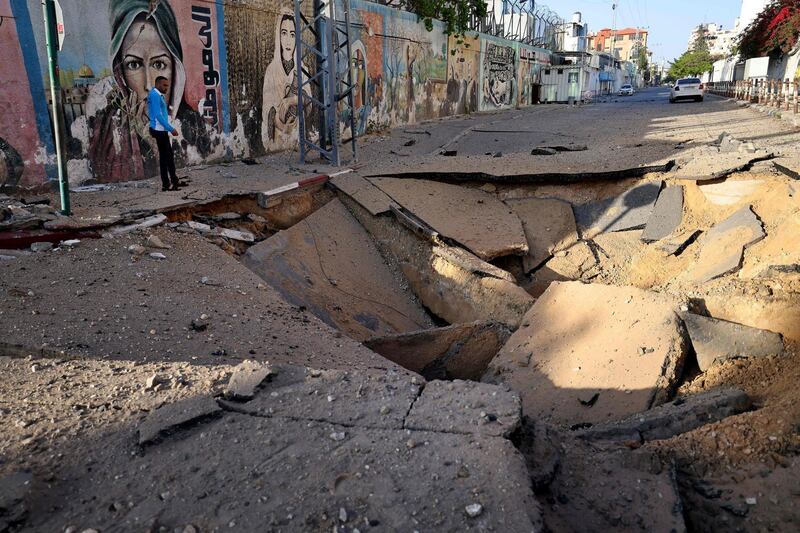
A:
[691,63]
[700,44]
[455,14]
[774,31]
[641,55]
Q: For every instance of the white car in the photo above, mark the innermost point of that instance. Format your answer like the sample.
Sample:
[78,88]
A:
[626,90]
[687,89]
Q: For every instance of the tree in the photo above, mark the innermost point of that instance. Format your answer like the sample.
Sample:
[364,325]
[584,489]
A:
[700,43]
[691,63]
[456,14]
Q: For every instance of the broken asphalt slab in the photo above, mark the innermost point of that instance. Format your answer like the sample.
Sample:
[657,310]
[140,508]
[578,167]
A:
[300,478]
[593,353]
[718,340]
[675,245]
[172,417]
[630,210]
[667,214]
[668,420]
[328,264]
[466,407]
[365,193]
[549,226]
[705,163]
[339,397]
[471,217]
[460,351]
[723,245]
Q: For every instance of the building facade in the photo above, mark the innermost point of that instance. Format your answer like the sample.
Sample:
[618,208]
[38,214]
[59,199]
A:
[624,44]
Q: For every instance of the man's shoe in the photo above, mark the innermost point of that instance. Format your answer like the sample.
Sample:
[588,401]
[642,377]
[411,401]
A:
[174,187]
[164,189]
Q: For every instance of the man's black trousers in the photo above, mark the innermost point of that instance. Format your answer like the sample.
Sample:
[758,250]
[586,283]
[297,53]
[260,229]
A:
[166,158]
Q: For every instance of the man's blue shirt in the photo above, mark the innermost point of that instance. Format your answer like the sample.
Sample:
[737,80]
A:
[157,111]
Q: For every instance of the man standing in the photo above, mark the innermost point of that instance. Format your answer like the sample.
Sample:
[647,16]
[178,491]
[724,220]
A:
[160,128]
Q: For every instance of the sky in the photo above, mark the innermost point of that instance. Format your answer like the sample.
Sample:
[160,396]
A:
[669,21]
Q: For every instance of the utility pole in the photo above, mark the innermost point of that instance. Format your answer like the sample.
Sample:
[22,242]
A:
[51,36]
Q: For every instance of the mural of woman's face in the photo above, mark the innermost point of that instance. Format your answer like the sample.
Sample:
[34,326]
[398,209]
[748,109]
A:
[144,57]
[287,39]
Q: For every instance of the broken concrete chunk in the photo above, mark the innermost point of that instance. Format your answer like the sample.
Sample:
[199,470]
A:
[580,340]
[223,217]
[154,242]
[724,244]
[172,417]
[365,193]
[549,226]
[148,222]
[246,378]
[471,217]
[777,254]
[705,163]
[630,210]
[676,244]
[41,247]
[198,226]
[470,263]
[667,214]
[460,351]
[338,397]
[244,236]
[674,418]
[574,263]
[731,192]
[717,340]
[466,407]
[544,151]
[347,286]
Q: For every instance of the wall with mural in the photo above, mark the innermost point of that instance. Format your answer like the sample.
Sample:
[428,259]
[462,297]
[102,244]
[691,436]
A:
[233,81]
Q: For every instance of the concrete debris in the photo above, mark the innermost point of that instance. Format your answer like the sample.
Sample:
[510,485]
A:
[667,214]
[460,351]
[41,247]
[705,163]
[548,361]
[471,217]
[731,192]
[137,249]
[247,377]
[244,236]
[723,245]
[348,286]
[466,407]
[365,193]
[172,417]
[630,210]
[549,226]
[198,226]
[225,217]
[70,243]
[676,244]
[666,421]
[777,254]
[153,241]
[158,255]
[474,510]
[470,263]
[717,340]
[148,222]
[335,396]
[787,171]
[544,151]
[577,262]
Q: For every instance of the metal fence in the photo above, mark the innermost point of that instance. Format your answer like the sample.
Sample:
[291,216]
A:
[781,94]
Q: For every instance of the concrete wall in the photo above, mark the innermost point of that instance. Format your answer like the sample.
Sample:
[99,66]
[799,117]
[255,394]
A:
[232,69]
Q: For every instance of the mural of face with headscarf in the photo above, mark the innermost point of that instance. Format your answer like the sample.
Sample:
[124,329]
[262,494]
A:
[279,96]
[144,57]
[145,44]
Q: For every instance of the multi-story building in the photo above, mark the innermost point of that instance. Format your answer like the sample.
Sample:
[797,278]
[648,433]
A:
[575,34]
[720,41]
[623,44]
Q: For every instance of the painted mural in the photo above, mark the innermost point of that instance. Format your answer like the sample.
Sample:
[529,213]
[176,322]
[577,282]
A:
[498,75]
[463,69]
[22,157]
[233,70]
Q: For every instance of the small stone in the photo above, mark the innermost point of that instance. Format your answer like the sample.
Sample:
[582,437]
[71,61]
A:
[385,410]
[70,242]
[41,246]
[342,514]
[750,501]
[137,249]
[90,530]
[204,317]
[71,529]
[158,255]
[152,381]
[205,280]
[474,510]
[411,444]
[154,242]
[331,398]
[338,436]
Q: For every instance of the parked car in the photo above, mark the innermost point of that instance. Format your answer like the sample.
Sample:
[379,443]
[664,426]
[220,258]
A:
[687,89]
[626,90]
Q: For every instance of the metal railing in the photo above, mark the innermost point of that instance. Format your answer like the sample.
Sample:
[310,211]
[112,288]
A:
[780,94]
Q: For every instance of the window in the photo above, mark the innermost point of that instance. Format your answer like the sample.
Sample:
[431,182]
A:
[573,77]
[561,71]
[547,72]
